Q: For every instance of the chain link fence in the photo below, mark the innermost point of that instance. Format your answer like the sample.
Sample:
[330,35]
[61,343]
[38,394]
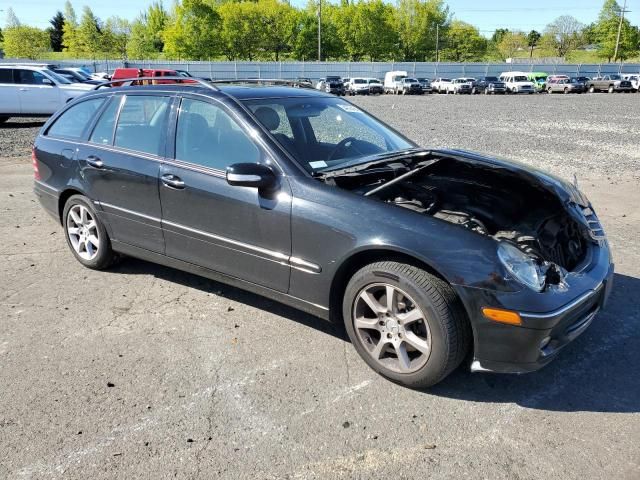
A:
[316,70]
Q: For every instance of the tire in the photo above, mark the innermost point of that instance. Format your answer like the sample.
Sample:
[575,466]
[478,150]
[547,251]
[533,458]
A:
[592,89]
[611,89]
[440,325]
[486,91]
[103,256]
[566,91]
[3,120]
[549,91]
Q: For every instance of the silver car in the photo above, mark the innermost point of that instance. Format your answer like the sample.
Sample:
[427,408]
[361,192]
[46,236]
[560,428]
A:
[565,85]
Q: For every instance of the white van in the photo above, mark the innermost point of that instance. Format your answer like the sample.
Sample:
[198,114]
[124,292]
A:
[34,91]
[392,80]
[634,78]
[517,82]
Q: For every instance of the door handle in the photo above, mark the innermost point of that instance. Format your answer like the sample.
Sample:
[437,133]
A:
[95,161]
[172,181]
[23,89]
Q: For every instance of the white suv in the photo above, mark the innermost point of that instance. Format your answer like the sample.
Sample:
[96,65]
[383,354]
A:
[34,91]
[517,82]
[634,79]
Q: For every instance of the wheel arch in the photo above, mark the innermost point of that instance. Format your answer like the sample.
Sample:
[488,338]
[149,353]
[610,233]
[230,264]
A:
[359,259]
[62,200]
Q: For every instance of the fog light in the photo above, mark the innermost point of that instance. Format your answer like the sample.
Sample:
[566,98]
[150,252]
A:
[502,316]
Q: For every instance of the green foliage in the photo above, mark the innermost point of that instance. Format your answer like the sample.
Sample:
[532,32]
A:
[464,43]
[193,31]
[239,41]
[418,25]
[146,32]
[511,43]
[606,33]
[25,42]
[564,35]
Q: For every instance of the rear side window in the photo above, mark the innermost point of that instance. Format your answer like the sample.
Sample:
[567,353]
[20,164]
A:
[142,123]
[103,132]
[6,75]
[29,77]
[72,123]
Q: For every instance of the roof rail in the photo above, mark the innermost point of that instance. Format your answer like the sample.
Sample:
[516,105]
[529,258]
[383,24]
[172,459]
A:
[265,81]
[183,80]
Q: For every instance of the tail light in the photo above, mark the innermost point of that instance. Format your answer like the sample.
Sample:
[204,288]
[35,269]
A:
[34,162]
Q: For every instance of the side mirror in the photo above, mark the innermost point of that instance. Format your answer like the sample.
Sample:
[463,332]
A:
[254,175]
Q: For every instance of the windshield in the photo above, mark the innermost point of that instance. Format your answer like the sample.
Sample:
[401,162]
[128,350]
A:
[359,80]
[333,79]
[614,77]
[58,78]
[410,80]
[325,132]
[491,79]
[373,80]
[520,78]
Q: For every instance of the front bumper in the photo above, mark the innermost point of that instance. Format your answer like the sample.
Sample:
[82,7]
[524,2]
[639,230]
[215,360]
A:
[545,331]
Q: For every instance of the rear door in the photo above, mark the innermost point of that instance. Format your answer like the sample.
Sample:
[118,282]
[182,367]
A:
[35,94]
[120,164]
[9,102]
[232,230]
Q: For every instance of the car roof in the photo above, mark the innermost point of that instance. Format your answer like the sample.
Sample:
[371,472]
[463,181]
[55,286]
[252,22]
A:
[240,92]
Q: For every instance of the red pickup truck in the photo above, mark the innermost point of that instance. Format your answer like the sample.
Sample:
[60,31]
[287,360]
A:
[129,73]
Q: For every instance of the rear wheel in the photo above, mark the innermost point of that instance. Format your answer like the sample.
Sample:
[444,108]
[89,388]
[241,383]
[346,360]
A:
[592,89]
[566,90]
[407,324]
[611,89]
[3,119]
[86,235]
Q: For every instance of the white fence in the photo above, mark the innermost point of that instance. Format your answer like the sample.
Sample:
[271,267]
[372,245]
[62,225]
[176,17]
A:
[315,70]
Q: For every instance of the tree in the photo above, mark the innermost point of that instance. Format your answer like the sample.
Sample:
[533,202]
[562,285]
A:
[146,32]
[10,19]
[279,21]
[56,31]
[606,33]
[533,37]
[25,42]
[305,45]
[464,43]
[239,40]
[193,31]
[373,29]
[88,39]
[419,23]
[69,28]
[115,36]
[511,43]
[564,35]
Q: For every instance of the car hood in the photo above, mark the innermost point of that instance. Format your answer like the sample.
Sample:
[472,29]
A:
[567,192]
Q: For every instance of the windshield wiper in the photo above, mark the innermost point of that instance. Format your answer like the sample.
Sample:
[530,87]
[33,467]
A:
[366,162]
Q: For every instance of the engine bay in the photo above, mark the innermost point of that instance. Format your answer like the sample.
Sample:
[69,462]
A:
[488,201]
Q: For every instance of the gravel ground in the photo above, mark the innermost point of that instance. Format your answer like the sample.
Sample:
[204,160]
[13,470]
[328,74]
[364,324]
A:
[146,372]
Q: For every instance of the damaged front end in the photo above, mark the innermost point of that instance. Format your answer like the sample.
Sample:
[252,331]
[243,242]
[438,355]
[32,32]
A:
[543,226]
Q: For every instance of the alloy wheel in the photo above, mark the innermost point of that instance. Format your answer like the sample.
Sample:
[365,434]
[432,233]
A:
[392,328]
[83,233]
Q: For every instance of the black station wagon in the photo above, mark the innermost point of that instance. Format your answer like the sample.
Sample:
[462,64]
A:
[428,256]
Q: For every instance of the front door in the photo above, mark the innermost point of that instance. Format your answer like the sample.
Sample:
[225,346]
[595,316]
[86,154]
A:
[9,102]
[232,230]
[120,164]
[37,94]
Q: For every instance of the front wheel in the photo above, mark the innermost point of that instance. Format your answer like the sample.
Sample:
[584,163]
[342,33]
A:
[86,236]
[611,89]
[3,119]
[406,324]
[592,89]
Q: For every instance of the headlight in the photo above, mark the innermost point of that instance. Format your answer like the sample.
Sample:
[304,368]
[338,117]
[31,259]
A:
[521,266]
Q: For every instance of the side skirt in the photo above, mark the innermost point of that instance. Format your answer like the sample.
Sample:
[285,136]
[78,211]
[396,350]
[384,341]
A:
[297,303]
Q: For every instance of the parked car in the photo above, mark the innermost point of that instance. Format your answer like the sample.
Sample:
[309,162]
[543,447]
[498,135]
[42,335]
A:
[76,76]
[33,91]
[440,85]
[345,82]
[468,255]
[331,84]
[517,82]
[539,80]
[305,82]
[459,86]
[490,86]
[409,86]
[392,80]
[565,85]
[425,84]
[634,79]
[187,74]
[375,86]
[153,73]
[358,86]
[609,83]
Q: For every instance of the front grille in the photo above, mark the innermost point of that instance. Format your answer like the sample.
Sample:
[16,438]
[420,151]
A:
[595,228]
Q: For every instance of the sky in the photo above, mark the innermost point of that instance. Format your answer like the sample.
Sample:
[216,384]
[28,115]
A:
[487,15]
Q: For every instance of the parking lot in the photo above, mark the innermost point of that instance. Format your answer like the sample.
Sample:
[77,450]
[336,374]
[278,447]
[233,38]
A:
[147,372]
